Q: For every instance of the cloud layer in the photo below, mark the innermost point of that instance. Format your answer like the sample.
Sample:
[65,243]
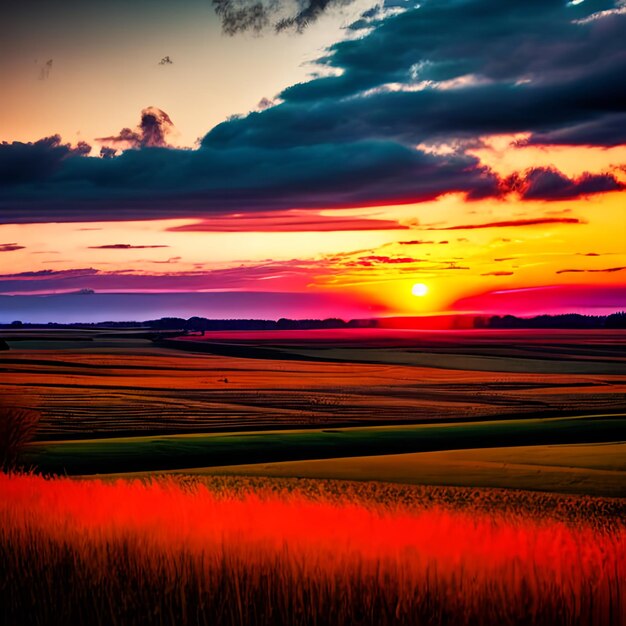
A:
[442,71]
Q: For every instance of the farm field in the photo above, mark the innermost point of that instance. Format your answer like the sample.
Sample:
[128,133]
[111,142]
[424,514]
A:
[598,469]
[539,351]
[95,385]
[368,478]
[163,452]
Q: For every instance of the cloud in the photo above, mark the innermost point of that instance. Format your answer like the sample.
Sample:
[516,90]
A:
[447,69]
[608,129]
[514,223]
[286,275]
[580,298]
[37,274]
[52,280]
[497,274]
[10,247]
[171,260]
[157,182]
[123,246]
[437,72]
[542,183]
[286,221]
[22,163]
[107,153]
[373,260]
[264,103]
[608,269]
[283,275]
[421,242]
[239,16]
[152,131]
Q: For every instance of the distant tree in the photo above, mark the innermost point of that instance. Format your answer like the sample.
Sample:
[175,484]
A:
[168,323]
[568,320]
[616,320]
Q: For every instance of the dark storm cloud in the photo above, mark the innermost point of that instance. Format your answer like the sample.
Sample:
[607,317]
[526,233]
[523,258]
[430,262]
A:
[35,161]
[123,246]
[549,184]
[10,247]
[152,132]
[431,115]
[446,71]
[157,182]
[451,69]
[605,130]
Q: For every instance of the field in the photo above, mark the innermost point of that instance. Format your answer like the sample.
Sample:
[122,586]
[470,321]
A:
[319,477]
[597,469]
[95,384]
[164,553]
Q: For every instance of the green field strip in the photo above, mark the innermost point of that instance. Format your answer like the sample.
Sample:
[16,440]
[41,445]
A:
[133,454]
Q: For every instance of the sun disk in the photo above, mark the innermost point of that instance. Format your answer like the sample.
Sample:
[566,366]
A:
[419,289]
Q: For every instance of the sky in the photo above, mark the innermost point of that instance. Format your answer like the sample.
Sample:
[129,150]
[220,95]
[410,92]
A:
[319,158]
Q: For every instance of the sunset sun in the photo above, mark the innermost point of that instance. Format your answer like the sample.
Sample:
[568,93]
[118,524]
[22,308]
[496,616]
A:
[419,289]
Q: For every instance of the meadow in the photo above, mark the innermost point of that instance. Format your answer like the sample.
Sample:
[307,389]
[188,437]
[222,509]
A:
[164,552]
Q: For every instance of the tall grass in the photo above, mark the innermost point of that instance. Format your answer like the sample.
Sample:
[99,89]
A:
[134,553]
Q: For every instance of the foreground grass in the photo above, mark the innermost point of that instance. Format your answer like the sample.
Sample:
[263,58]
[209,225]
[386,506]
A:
[134,454]
[176,552]
[601,513]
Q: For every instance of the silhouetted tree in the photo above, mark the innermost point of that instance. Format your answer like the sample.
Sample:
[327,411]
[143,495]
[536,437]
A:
[616,320]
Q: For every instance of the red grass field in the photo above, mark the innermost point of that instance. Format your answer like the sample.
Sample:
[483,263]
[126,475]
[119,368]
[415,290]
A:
[170,552]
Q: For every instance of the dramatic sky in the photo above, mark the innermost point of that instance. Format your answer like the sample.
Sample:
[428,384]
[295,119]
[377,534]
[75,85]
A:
[309,158]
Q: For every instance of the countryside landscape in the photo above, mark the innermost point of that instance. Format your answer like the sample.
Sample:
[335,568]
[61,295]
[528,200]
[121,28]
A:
[462,460]
[313,313]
